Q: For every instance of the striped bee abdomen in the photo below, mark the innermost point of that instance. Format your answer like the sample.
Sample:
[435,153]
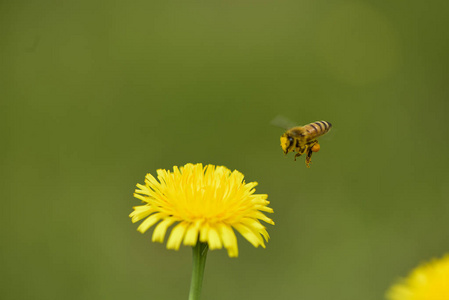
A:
[317,129]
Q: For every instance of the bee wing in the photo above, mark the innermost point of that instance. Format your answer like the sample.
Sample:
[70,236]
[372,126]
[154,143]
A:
[282,122]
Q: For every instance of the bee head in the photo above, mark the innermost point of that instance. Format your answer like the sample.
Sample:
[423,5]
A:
[287,143]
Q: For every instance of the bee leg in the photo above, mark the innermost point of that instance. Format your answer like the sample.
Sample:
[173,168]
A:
[309,157]
[312,147]
[300,151]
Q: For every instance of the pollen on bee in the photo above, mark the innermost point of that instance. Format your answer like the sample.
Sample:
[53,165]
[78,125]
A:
[316,148]
[284,142]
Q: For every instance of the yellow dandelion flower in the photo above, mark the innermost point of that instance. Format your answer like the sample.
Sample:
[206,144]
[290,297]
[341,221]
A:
[429,281]
[206,203]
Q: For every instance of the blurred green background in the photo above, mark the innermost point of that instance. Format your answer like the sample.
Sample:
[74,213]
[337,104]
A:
[95,94]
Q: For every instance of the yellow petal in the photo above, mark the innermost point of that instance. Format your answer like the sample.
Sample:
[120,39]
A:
[261,216]
[204,232]
[143,198]
[253,238]
[214,239]
[143,189]
[161,229]
[191,236]
[150,221]
[229,239]
[140,212]
[176,236]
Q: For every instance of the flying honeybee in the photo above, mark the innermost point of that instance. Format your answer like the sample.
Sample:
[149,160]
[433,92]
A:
[303,139]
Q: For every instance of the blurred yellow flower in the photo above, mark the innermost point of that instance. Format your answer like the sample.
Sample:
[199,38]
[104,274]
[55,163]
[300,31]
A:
[207,203]
[429,281]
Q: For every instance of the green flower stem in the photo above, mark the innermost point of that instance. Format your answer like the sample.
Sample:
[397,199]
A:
[199,262]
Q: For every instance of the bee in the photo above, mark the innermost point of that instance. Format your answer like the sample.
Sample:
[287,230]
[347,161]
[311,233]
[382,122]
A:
[303,139]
